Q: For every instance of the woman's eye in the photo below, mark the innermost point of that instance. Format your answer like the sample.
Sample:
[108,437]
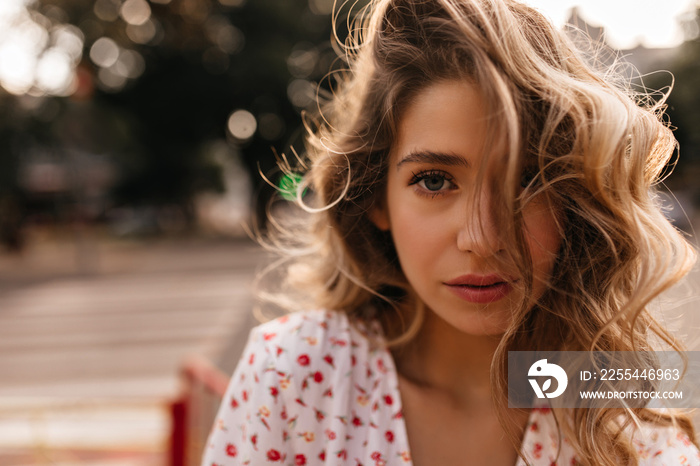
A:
[433,182]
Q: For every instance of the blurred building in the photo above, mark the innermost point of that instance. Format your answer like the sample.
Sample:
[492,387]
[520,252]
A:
[644,60]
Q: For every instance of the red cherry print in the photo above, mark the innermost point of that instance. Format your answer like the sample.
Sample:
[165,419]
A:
[251,360]
[388,400]
[322,455]
[376,456]
[273,455]
[329,359]
[299,460]
[231,450]
[254,440]
[356,421]
[234,403]
[389,436]
[342,454]
[244,395]
[269,336]
[304,360]
[537,452]
[318,377]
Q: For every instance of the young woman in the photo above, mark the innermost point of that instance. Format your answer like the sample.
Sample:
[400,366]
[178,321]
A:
[473,188]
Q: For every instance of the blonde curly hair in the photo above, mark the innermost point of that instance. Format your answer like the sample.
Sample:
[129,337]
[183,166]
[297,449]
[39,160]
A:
[575,133]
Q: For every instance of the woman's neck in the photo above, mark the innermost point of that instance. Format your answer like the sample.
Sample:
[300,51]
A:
[444,359]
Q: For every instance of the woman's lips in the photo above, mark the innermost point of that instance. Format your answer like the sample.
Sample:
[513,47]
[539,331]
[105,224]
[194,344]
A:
[480,289]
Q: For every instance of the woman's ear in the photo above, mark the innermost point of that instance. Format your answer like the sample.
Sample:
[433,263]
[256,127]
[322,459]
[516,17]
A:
[380,217]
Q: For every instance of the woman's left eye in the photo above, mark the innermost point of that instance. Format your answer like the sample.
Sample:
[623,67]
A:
[433,182]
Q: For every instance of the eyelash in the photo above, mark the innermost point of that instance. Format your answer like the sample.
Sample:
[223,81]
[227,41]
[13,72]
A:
[420,176]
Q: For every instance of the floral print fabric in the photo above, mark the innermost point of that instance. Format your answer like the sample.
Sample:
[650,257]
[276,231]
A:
[311,389]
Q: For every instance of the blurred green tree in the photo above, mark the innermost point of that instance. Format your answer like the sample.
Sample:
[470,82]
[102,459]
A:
[159,79]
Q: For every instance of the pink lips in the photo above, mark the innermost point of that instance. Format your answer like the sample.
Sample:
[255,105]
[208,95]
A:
[480,288]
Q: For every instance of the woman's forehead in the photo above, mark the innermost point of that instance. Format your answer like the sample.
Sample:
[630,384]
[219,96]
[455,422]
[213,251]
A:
[448,119]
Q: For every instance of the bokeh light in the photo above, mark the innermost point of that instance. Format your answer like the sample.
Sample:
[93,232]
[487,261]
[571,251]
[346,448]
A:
[135,12]
[69,39]
[104,52]
[142,33]
[17,66]
[301,93]
[54,72]
[321,7]
[226,36]
[107,10]
[130,64]
[242,125]
[302,61]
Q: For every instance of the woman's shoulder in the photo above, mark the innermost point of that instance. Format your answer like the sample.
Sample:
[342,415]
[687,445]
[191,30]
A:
[664,445]
[319,329]
[654,445]
[315,339]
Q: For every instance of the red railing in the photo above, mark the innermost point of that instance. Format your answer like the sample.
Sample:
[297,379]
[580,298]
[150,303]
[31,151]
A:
[193,412]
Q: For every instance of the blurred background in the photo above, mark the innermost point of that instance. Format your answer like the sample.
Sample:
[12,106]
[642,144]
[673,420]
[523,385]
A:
[133,136]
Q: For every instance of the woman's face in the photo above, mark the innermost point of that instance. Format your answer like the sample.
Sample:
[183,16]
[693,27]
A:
[445,234]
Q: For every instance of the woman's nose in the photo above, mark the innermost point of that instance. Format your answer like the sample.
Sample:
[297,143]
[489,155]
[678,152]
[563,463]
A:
[478,233]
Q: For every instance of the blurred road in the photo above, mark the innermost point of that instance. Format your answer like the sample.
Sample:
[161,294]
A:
[93,333]
[122,329]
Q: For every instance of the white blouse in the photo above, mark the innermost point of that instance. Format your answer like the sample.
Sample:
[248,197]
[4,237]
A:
[311,389]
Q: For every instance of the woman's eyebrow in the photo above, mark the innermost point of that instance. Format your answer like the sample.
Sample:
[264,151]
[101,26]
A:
[435,158]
